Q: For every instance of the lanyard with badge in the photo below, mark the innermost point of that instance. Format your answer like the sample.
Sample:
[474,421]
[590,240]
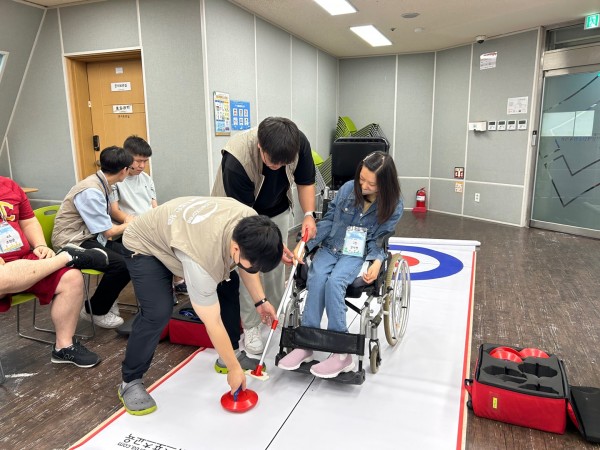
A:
[10,240]
[355,241]
[100,236]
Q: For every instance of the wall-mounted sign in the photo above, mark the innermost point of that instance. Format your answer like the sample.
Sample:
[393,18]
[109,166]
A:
[459,172]
[240,115]
[458,187]
[122,109]
[222,114]
[121,86]
[591,21]
[517,105]
[488,60]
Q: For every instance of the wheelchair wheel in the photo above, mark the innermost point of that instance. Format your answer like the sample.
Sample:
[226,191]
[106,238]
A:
[397,300]
[374,359]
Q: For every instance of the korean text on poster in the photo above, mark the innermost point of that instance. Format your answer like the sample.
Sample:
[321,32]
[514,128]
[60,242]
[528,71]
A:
[517,105]
[240,115]
[222,114]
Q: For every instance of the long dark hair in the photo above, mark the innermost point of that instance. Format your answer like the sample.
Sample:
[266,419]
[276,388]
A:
[388,188]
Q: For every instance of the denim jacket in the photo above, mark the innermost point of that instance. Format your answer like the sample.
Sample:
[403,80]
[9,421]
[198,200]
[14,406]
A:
[342,213]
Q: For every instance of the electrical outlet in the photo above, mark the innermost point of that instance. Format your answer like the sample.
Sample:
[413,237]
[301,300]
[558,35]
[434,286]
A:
[477,197]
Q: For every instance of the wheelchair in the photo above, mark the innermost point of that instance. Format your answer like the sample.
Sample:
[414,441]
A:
[387,299]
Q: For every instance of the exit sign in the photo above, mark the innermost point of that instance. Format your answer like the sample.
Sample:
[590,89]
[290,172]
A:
[592,21]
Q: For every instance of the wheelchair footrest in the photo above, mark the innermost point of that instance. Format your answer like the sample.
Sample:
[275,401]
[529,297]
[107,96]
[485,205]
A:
[322,340]
[356,378]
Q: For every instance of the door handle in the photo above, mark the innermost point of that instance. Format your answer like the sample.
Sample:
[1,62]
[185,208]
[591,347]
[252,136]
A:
[96,142]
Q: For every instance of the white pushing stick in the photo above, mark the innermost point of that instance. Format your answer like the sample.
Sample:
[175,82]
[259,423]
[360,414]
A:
[258,373]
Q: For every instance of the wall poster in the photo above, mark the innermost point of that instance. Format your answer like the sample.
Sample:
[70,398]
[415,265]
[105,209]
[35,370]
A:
[222,114]
[240,115]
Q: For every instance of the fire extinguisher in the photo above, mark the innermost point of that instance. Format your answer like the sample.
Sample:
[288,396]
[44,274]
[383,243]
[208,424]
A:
[421,201]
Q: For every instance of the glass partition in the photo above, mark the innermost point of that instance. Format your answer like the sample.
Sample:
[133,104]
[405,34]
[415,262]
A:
[567,183]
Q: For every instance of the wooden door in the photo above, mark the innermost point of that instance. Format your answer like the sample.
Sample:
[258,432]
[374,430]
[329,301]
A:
[117,104]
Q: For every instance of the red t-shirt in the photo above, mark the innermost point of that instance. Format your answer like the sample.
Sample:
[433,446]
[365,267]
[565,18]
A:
[15,206]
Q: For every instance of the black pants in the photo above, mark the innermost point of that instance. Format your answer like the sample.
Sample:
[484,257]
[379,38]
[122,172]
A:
[152,285]
[115,278]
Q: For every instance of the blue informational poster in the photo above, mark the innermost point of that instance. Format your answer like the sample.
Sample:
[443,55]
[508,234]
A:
[240,115]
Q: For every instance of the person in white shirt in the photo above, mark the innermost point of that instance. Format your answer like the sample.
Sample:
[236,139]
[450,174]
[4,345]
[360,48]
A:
[136,194]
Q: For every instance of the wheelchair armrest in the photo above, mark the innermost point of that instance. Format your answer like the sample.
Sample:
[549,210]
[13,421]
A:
[383,240]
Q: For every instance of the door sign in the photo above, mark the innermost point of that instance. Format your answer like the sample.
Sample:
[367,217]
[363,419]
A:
[121,86]
[122,109]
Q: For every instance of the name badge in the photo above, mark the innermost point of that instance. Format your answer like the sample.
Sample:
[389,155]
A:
[10,240]
[355,241]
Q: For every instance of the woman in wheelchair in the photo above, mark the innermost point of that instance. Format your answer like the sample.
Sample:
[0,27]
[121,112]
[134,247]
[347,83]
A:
[363,210]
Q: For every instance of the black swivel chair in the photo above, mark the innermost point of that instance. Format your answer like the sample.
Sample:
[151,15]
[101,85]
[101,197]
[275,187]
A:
[346,155]
[348,152]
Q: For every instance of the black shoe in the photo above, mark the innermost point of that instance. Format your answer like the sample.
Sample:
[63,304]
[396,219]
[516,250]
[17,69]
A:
[75,354]
[94,258]
[181,288]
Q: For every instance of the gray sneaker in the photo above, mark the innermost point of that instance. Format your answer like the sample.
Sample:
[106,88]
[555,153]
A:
[135,398]
[245,362]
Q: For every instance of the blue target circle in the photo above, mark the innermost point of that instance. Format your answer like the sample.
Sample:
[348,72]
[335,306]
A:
[449,265]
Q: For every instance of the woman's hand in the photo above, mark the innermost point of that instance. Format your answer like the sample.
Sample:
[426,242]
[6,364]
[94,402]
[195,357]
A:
[299,255]
[372,272]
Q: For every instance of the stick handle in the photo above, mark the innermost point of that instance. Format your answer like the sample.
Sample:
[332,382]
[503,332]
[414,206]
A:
[286,295]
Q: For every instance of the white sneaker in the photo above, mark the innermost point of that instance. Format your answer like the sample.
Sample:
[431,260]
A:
[115,309]
[253,341]
[108,320]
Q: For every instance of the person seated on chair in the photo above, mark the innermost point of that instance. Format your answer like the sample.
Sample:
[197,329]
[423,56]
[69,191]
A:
[84,220]
[202,239]
[136,194]
[27,264]
[258,168]
[362,211]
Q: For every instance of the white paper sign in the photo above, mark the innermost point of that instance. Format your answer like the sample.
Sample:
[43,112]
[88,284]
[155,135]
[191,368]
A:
[488,60]
[122,109]
[517,105]
[118,70]
[121,86]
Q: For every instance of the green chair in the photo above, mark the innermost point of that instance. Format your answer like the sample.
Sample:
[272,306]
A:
[18,300]
[45,217]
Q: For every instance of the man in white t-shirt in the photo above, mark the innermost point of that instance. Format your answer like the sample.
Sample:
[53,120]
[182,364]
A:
[135,194]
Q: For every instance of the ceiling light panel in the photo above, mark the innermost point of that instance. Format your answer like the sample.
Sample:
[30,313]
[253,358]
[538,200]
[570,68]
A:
[371,35]
[336,7]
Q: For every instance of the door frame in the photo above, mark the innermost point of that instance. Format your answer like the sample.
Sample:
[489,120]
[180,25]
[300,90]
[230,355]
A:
[78,88]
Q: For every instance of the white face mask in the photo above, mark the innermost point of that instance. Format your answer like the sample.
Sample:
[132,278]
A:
[368,192]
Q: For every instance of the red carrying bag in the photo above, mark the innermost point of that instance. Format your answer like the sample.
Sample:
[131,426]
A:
[528,389]
[185,327]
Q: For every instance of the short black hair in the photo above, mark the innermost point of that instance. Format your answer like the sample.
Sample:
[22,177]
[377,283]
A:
[279,138]
[137,146]
[114,159]
[260,242]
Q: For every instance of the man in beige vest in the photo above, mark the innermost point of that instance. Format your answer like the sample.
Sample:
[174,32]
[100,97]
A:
[84,220]
[201,239]
[258,169]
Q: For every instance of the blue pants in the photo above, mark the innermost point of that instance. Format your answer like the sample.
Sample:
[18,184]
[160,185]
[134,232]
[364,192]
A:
[328,277]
